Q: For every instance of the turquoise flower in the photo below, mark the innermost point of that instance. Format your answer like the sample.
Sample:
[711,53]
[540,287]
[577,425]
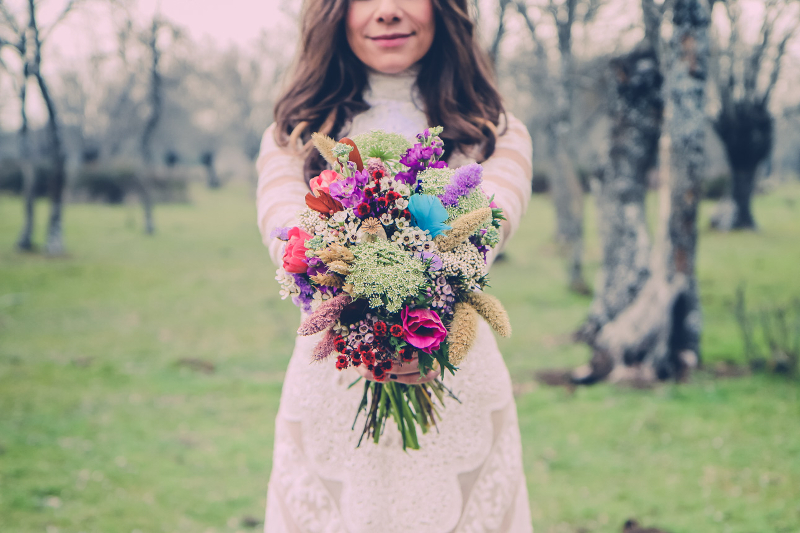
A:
[428,213]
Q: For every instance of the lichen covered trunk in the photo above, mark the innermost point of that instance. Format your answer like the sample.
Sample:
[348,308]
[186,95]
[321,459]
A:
[620,189]
[657,335]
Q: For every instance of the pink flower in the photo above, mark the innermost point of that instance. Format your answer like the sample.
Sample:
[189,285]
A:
[294,258]
[324,180]
[423,329]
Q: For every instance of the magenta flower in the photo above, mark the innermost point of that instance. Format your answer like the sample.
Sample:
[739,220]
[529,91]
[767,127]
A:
[423,329]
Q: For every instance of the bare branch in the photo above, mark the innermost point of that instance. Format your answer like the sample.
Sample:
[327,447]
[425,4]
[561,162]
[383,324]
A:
[64,13]
[11,21]
[753,66]
[501,29]
[776,67]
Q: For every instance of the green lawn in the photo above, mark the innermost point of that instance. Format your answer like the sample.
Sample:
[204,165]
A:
[102,430]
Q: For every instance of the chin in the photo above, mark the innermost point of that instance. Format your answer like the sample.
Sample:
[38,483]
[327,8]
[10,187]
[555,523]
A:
[392,68]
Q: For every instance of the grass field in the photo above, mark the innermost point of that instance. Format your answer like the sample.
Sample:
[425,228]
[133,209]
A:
[102,429]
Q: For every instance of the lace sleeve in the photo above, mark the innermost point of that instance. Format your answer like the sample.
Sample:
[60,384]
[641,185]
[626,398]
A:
[507,174]
[281,190]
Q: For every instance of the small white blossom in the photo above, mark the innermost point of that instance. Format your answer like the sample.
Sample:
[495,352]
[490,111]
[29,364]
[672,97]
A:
[386,219]
[401,203]
[402,189]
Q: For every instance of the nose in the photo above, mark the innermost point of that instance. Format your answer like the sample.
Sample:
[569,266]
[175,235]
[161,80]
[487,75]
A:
[388,11]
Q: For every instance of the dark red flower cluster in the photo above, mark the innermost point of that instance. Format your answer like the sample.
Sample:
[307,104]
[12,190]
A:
[363,209]
[378,174]
[392,196]
[379,328]
[406,354]
[396,330]
[342,362]
[339,343]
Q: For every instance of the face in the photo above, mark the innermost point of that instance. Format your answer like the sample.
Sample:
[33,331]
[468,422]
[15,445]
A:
[390,35]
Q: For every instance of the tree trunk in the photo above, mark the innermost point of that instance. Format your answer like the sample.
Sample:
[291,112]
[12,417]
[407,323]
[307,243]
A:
[621,188]
[743,182]
[568,199]
[25,240]
[55,237]
[657,336]
[155,99]
[746,131]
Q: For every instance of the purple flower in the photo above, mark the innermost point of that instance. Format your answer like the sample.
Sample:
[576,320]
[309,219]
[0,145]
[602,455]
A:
[347,191]
[436,261]
[409,178]
[316,267]
[280,233]
[306,296]
[464,181]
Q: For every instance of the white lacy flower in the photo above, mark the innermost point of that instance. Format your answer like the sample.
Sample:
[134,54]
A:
[387,183]
[288,286]
[402,189]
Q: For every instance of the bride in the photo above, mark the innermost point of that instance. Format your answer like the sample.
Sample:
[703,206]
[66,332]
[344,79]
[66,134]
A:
[401,66]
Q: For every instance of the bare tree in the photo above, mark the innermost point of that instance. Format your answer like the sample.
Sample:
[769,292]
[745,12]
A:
[566,187]
[656,335]
[28,42]
[744,74]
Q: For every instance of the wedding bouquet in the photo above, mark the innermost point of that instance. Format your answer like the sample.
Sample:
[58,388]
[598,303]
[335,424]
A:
[389,260]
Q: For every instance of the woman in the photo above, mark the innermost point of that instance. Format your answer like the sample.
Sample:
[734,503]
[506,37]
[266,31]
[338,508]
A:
[397,65]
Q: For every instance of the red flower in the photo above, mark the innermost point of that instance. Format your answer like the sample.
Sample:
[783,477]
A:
[368,358]
[423,328]
[356,358]
[339,343]
[377,174]
[407,214]
[379,328]
[368,193]
[362,209]
[387,365]
[379,373]
[294,257]
[392,196]
[406,354]
[323,202]
[382,203]
[342,362]
[395,213]
[396,330]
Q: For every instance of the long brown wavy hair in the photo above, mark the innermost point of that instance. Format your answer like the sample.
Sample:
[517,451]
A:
[455,81]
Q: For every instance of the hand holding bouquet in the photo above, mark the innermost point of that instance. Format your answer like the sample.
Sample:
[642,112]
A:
[389,259]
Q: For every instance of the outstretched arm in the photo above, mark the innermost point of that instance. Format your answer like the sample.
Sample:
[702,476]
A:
[507,175]
[281,191]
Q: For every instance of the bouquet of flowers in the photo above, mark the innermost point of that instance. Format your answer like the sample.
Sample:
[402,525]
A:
[389,260]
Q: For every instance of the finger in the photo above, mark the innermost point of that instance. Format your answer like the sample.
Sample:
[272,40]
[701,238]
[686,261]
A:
[414,379]
[410,367]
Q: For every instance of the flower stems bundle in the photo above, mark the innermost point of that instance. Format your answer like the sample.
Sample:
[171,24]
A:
[389,260]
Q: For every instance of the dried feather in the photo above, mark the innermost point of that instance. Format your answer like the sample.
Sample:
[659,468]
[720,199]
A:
[325,346]
[324,317]
[340,267]
[335,252]
[462,228]
[492,311]
[325,146]
[463,331]
[329,280]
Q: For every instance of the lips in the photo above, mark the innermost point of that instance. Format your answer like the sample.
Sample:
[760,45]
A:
[392,36]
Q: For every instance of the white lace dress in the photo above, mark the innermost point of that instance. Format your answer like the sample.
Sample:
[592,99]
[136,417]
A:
[468,477]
